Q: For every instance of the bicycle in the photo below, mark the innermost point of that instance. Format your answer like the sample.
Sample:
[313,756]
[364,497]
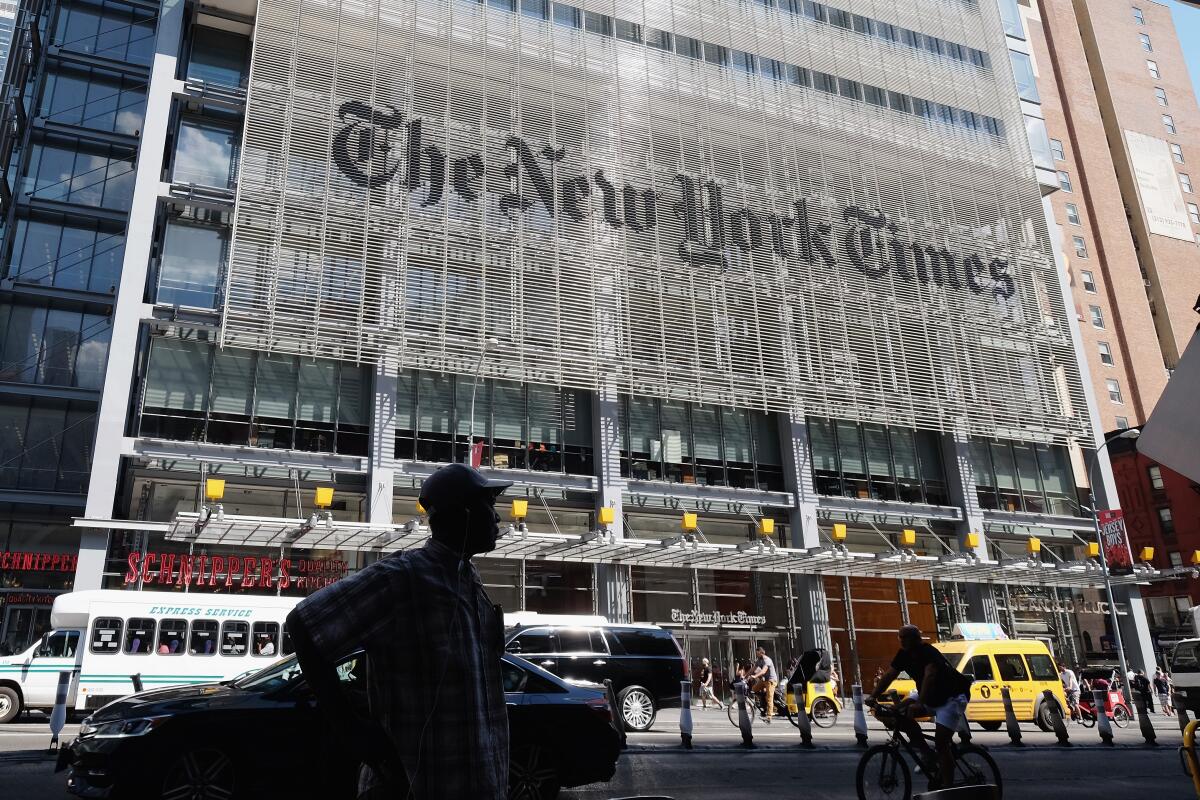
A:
[756,706]
[884,773]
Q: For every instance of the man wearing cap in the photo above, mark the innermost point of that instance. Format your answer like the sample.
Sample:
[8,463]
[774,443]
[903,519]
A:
[438,727]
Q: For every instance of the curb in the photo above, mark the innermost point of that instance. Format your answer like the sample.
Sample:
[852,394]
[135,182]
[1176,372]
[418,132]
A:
[643,749]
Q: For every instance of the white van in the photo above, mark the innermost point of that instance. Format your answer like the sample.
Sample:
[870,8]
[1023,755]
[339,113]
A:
[105,637]
[1185,672]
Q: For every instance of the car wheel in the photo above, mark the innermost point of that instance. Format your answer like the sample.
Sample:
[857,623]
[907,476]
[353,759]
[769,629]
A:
[10,704]
[202,773]
[1045,717]
[532,774]
[637,708]
[991,725]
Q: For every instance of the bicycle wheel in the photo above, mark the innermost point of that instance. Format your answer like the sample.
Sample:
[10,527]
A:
[824,713]
[883,775]
[731,711]
[1121,717]
[974,766]
[1086,718]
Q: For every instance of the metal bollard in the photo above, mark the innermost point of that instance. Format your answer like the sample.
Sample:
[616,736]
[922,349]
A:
[136,680]
[743,716]
[860,717]
[617,722]
[1010,718]
[685,713]
[1141,702]
[802,720]
[1181,715]
[1102,723]
[58,717]
[1056,715]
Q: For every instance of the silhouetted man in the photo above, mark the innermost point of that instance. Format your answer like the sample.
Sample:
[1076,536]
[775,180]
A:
[438,728]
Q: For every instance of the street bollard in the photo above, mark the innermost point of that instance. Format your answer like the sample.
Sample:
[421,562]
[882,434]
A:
[802,720]
[1141,702]
[685,713]
[1010,718]
[860,717]
[58,717]
[136,680]
[1181,715]
[743,715]
[617,722]
[1056,716]
[1102,723]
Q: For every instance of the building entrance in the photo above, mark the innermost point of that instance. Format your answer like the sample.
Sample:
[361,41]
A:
[724,651]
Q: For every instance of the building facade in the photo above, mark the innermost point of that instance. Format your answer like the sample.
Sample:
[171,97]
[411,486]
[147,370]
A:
[749,278]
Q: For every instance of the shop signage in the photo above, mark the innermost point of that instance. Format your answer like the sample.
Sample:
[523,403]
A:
[716,618]
[176,569]
[1051,605]
[27,598]
[20,561]
[1115,542]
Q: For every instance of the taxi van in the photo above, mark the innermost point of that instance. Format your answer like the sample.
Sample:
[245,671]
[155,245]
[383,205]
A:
[1025,666]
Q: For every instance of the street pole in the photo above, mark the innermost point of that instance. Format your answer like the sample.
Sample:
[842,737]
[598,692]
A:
[487,345]
[1112,605]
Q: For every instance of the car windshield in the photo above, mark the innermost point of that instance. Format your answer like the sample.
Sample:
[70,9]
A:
[276,676]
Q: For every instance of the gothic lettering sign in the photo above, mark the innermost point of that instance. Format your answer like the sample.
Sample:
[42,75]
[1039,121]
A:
[417,178]
[716,618]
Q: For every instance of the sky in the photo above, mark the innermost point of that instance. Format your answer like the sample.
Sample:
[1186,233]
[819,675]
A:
[1187,23]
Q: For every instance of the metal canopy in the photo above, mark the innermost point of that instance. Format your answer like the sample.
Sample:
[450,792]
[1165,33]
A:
[678,551]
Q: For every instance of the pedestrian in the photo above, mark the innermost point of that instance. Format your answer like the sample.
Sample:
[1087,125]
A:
[765,672]
[438,726]
[1162,687]
[1070,684]
[1141,684]
[706,686]
[835,681]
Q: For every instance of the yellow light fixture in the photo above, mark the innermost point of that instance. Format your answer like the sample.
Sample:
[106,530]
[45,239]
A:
[323,497]
[690,521]
[971,541]
[1094,549]
[1147,554]
[839,531]
[908,537]
[520,509]
[214,489]
[1196,558]
[766,526]
[1034,545]
[608,515]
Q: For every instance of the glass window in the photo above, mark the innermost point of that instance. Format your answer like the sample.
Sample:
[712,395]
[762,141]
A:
[659,40]
[904,456]
[1041,667]
[676,441]
[1106,356]
[288,647]
[1097,316]
[89,174]
[1160,94]
[192,264]
[744,62]
[172,633]
[1006,476]
[1072,213]
[1010,15]
[1156,478]
[1114,389]
[1058,481]
[879,462]
[1194,213]
[60,644]
[219,57]
[1166,521]
[1169,123]
[1080,246]
[689,47]
[823,443]
[1056,147]
[1012,667]
[1177,153]
[1185,181]
[854,467]
[1022,66]
[716,54]
[1145,40]
[638,642]
[1028,478]
[266,638]
[1138,17]
[234,638]
[1153,67]
[538,9]
[205,153]
[597,23]
[735,423]
[1175,559]
[1089,282]
[106,634]
[65,256]
[139,636]
[513,677]
[567,16]
[979,668]
[574,640]
[1064,180]
[1122,422]
[537,641]
[203,641]
[629,31]
[1039,142]
[93,98]
[177,375]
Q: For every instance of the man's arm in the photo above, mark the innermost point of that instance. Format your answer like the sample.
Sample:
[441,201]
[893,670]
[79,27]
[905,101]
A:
[884,683]
[927,681]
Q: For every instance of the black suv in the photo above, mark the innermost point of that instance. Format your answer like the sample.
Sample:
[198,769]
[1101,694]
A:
[644,662]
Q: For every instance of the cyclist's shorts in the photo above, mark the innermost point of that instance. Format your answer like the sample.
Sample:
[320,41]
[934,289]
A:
[949,713]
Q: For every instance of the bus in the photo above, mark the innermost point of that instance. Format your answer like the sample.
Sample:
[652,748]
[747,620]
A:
[105,637]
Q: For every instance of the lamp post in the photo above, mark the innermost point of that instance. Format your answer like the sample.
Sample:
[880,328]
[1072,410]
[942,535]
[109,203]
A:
[1131,433]
[488,344]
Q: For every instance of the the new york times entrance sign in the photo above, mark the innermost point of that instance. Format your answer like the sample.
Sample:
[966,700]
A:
[673,230]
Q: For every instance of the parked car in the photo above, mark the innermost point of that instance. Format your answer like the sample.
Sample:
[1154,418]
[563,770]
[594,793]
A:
[644,662]
[263,737]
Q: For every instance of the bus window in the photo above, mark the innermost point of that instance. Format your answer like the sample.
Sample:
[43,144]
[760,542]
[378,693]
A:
[204,638]
[139,635]
[233,638]
[106,635]
[172,633]
[60,644]
[288,647]
[266,638]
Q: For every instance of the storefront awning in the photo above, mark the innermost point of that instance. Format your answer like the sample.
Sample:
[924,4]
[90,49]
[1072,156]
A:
[678,551]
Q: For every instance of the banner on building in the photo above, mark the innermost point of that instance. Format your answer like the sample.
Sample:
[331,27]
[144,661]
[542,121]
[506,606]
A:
[1158,186]
[650,211]
[1115,542]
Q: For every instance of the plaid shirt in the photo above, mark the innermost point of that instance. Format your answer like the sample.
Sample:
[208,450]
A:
[434,642]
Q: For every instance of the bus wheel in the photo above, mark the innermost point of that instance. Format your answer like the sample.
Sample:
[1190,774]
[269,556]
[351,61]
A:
[10,704]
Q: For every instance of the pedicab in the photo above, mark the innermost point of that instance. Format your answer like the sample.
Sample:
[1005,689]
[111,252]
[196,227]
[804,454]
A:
[821,703]
[1115,708]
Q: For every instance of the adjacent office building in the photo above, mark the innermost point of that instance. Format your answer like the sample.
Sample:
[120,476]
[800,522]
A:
[757,303]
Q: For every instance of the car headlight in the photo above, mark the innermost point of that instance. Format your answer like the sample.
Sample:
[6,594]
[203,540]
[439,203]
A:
[120,729]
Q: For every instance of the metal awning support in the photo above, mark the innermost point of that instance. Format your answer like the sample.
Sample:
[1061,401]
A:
[240,531]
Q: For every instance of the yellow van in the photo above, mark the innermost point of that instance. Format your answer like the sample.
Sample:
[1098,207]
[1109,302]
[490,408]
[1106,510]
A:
[1025,666]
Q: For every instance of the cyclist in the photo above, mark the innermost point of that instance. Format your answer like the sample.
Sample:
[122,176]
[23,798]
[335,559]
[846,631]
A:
[1070,685]
[942,693]
[766,680]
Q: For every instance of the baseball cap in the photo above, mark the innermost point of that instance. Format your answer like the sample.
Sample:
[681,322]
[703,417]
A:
[455,484]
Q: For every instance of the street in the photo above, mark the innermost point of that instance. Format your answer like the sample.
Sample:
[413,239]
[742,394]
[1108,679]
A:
[719,768]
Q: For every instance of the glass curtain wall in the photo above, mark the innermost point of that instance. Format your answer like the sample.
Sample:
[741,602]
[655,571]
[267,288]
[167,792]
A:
[45,444]
[1019,476]
[877,462]
[194,255]
[53,346]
